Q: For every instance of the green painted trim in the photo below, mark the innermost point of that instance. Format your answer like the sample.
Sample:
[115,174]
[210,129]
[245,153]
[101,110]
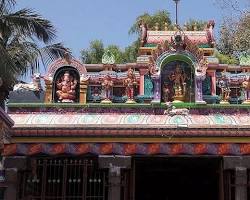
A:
[176,56]
[124,105]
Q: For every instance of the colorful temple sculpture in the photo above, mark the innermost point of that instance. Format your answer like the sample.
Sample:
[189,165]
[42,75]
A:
[173,125]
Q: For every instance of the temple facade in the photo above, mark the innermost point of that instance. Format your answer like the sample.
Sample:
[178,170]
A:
[173,125]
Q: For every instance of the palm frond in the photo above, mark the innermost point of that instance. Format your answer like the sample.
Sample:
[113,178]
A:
[29,23]
[52,52]
[30,55]
[6,5]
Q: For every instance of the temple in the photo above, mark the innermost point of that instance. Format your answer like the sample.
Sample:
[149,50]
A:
[173,125]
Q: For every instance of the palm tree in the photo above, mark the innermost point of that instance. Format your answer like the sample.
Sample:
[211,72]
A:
[22,33]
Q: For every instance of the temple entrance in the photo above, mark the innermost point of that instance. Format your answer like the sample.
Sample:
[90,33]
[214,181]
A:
[178,84]
[177,178]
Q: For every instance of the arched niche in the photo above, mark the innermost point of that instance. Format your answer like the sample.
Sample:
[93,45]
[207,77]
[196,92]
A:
[56,71]
[57,91]
[167,63]
[59,63]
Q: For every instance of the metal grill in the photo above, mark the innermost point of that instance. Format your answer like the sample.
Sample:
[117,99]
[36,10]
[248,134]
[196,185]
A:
[66,179]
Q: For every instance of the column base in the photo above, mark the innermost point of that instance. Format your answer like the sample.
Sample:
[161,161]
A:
[156,101]
[246,101]
[177,101]
[201,102]
[106,101]
[224,102]
[130,101]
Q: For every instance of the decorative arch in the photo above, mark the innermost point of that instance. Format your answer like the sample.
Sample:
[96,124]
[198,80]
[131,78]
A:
[185,56]
[62,65]
[59,63]
[198,70]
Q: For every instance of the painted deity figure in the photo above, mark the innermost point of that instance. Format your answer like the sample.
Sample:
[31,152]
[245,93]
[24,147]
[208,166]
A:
[225,90]
[66,88]
[167,92]
[107,85]
[130,83]
[178,77]
[246,87]
[143,33]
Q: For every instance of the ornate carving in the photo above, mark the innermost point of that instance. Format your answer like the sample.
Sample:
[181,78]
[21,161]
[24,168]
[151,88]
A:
[107,85]
[108,58]
[130,82]
[35,85]
[143,33]
[194,49]
[64,62]
[172,110]
[225,90]
[179,79]
[66,88]
[210,33]
[246,88]
[167,92]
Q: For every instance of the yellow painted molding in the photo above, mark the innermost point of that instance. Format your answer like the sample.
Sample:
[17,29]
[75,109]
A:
[132,140]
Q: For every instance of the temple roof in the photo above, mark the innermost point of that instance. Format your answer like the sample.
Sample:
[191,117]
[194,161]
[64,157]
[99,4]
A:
[196,37]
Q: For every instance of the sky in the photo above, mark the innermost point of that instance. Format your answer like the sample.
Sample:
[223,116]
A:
[80,21]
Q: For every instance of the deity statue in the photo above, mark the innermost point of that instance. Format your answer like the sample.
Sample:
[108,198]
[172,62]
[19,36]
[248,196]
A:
[130,83]
[107,85]
[66,88]
[246,87]
[143,33]
[167,92]
[178,77]
[225,90]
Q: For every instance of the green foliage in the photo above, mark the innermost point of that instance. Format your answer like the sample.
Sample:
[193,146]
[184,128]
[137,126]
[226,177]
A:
[130,53]
[93,55]
[117,52]
[20,33]
[193,24]
[226,59]
[161,17]
[234,36]
[242,34]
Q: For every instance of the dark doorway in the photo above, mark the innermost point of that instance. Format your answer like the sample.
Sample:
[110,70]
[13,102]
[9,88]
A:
[177,178]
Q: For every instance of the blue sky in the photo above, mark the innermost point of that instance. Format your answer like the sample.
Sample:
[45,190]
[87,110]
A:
[80,21]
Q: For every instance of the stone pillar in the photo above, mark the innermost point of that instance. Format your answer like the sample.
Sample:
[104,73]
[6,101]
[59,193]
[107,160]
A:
[240,183]
[141,91]
[11,166]
[157,89]
[12,184]
[114,164]
[83,92]
[198,92]
[213,92]
[213,82]
[48,92]
[239,164]
[142,74]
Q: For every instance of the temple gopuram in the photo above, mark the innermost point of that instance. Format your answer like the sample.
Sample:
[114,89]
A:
[173,125]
